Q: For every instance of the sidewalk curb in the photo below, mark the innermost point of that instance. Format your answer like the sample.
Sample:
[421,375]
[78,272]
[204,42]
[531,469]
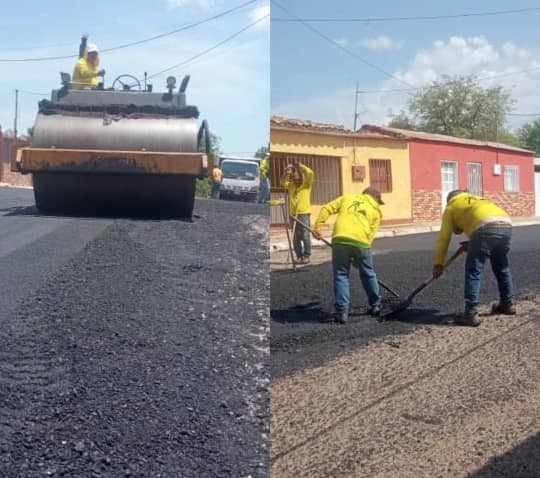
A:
[405,231]
[7,185]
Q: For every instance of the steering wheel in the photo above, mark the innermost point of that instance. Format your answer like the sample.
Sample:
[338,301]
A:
[125,85]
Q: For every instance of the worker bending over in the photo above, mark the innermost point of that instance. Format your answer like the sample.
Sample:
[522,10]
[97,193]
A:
[298,180]
[86,71]
[359,217]
[490,231]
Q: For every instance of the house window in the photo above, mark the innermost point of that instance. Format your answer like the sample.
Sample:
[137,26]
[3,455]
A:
[380,174]
[474,178]
[511,179]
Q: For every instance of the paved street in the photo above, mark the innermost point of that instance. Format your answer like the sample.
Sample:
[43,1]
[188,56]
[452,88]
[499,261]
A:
[417,397]
[133,348]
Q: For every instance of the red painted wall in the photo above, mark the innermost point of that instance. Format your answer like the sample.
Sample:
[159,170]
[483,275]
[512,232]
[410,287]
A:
[426,157]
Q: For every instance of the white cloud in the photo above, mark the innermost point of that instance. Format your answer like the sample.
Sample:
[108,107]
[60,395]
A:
[454,56]
[259,13]
[342,41]
[380,43]
[202,4]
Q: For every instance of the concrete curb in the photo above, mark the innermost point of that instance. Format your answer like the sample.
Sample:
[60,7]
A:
[404,231]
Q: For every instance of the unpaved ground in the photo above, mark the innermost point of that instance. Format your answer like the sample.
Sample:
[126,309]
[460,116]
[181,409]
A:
[142,353]
[440,402]
[417,397]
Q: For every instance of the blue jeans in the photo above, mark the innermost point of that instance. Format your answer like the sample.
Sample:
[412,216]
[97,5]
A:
[341,263]
[302,236]
[492,242]
[216,188]
[264,190]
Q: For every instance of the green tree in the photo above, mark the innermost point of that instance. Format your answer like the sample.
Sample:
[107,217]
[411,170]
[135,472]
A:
[262,151]
[530,136]
[401,121]
[459,106]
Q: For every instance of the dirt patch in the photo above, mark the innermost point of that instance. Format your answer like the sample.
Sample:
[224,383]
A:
[442,401]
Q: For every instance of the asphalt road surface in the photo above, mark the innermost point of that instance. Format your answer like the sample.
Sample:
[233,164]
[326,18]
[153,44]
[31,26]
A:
[133,348]
[302,303]
[414,398]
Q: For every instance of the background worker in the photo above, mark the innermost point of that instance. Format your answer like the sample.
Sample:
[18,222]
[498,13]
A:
[490,231]
[86,71]
[298,180]
[359,217]
[217,178]
[264,180]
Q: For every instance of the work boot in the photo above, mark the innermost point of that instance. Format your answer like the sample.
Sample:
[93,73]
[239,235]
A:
[374,310]
[304,260]
[469,318]
[341,317]
[505,308]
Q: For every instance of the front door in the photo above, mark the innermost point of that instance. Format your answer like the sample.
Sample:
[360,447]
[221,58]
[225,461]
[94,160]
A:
[449,179]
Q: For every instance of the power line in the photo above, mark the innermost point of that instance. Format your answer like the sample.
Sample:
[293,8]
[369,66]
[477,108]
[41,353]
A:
[400,19]
[523,114]
[32,93]
[208,50]
[346,50]
[138,42]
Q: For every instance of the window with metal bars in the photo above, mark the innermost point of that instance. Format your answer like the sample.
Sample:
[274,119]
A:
[326,172]
[380,175]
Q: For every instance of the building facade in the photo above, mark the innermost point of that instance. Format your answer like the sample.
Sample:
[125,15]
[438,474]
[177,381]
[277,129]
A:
[440,164]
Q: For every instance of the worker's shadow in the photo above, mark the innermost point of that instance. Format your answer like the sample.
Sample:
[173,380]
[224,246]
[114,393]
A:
[311,312]
[422,317]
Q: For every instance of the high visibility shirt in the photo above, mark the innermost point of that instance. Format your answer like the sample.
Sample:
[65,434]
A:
[85,73]
[358,220]
[299,196]
[466,212]
[263,168]
[217,175]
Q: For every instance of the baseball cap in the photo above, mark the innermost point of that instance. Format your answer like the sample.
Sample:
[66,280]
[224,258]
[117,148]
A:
[374,193]
[92,48]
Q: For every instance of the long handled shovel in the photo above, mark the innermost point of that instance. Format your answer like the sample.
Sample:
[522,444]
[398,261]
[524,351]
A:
[382,284]
[404,304]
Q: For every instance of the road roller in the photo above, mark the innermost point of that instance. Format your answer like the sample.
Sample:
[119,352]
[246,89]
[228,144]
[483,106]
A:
[120,151]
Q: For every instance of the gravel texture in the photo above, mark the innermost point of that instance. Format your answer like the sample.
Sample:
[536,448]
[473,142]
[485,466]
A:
[144,355]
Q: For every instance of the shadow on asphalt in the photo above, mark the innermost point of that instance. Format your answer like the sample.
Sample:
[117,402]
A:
[313,312]
[32,211]
[523,461]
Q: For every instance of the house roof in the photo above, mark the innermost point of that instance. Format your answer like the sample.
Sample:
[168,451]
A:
[407,134]
[306,125]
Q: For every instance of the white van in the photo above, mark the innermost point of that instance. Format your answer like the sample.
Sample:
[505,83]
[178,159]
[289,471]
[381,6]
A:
[240,178]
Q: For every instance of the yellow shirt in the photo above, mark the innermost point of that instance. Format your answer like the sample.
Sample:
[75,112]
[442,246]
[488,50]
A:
[466,212]
[263,168]
[217,175]
[359,217]
[85,74]
[299,196]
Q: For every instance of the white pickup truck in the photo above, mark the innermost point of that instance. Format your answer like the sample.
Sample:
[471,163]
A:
[240,178]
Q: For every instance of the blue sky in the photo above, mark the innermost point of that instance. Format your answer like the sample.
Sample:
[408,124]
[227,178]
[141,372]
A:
[230,85]
[313,79]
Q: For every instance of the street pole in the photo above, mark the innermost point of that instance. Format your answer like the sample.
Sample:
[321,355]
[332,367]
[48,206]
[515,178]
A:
[356,106]
[16,113]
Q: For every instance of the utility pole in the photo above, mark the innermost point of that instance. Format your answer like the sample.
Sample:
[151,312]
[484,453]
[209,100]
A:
[16,114]
[356,106]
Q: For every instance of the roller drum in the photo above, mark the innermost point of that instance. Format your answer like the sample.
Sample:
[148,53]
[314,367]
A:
[123,134]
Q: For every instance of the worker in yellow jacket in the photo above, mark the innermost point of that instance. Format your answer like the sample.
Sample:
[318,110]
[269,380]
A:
[298,180]
[359,217]
[86,71]
[264,181]
[490,231]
